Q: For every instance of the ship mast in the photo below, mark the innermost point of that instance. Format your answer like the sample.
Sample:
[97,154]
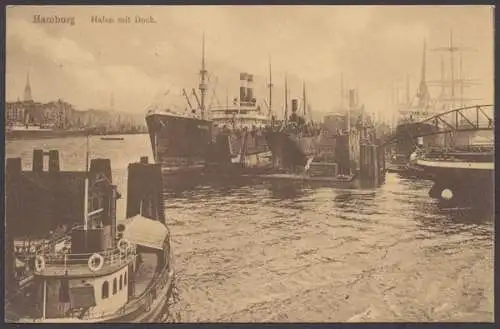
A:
[454,82]
[342,90]
[423,92]
[408,89]
[270,86]
[86,186]
[203,86]
[286,99]
[304,97]
[460,77]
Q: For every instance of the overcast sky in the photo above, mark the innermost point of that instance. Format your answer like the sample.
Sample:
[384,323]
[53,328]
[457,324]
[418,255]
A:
[372,46]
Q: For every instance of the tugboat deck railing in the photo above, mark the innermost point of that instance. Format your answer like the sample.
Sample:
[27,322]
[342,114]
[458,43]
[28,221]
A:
[61,263]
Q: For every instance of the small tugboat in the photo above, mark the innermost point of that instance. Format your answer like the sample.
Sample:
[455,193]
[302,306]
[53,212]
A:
[238,129]
[97,271]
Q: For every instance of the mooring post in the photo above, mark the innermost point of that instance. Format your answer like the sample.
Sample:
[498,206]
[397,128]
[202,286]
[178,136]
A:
[145,191]
[382,162]
[374,164]
[54,161]
[37,160]
[362,161]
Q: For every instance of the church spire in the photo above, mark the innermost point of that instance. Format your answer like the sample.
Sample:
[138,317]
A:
[27,89]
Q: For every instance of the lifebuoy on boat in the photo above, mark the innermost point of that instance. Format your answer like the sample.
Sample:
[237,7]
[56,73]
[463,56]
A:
[123,245]
[96,262]
[39,263]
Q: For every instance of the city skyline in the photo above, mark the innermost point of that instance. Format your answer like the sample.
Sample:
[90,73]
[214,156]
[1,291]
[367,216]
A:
[372,47]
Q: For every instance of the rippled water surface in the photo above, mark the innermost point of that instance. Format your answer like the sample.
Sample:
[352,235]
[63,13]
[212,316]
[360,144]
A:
[270,252]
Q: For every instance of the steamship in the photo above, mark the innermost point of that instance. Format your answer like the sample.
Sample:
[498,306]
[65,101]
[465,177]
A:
[97,271]
[181,140]
[238,129]
[294,143]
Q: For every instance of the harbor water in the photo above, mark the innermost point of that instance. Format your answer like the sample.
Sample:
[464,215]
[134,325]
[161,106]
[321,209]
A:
[271,252]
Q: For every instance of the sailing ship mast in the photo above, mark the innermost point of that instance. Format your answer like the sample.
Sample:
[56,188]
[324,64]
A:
[286,99]
[270,86]
[455,81]
[342,95]
[304,97]
[203,86]
[408,89]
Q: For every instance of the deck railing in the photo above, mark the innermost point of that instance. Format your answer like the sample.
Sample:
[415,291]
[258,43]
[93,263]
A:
[60,263]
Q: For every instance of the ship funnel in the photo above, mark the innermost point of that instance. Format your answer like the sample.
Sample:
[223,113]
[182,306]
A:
[249,88]
[295,105]
[243,86]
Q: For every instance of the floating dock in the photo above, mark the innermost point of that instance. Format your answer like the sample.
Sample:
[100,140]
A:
[304,177]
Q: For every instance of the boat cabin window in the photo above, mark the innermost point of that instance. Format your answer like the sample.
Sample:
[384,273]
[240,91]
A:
[114,286]
[121,282]
[105,290]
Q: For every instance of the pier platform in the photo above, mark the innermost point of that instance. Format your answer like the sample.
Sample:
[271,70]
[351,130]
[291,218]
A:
[303,178]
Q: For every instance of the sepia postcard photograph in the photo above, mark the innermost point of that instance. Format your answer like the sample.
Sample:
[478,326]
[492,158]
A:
[289,163]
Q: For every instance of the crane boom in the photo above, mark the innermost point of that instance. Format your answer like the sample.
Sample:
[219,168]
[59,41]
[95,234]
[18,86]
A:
[187,99]
[196,97]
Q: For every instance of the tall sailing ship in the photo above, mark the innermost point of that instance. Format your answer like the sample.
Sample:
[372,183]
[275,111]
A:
[412,135]
[238,129]
[460,161]
[181,139]
[409,128]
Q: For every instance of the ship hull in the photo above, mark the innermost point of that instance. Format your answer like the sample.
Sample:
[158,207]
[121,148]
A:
[238,147]
[407,136]
[460,183]
[290,151]
[406,141]
[179,142]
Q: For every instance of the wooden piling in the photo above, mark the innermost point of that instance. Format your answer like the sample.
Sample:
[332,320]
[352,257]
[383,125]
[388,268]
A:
[374,164]
[37,160]
[363,162]
[145,191]
[54,161]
